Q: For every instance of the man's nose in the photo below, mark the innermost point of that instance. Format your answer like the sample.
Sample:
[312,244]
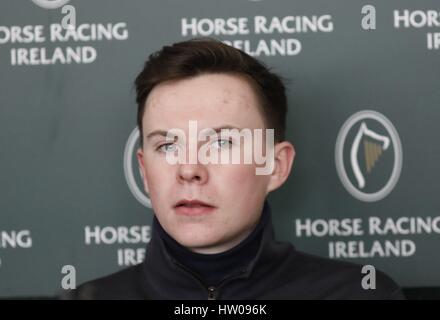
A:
[193,173]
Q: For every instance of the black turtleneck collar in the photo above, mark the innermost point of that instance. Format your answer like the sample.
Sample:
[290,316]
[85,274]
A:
[212,268]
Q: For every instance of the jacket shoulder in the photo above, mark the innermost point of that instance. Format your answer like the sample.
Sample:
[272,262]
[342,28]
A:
[335,279]
[124,284]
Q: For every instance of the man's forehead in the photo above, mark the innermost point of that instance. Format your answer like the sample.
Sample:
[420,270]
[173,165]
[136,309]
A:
[205,90]
[211,103]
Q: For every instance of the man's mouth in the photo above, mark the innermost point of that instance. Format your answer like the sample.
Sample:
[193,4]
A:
[193,207]
[192,203]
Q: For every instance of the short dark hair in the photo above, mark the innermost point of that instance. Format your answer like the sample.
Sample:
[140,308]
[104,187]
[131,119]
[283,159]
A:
[207,55]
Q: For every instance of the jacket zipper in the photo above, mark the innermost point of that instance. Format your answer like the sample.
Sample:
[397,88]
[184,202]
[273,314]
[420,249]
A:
[212,293]
[212,290]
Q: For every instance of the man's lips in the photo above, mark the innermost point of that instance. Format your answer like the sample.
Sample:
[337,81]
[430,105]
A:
[193,207]
[192,203]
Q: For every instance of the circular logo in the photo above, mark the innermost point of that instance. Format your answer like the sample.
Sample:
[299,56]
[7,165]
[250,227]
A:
[129,159]
[50,4]
[368,155]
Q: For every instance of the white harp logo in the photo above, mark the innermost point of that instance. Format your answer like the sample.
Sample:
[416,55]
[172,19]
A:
[363,130]
[372,153]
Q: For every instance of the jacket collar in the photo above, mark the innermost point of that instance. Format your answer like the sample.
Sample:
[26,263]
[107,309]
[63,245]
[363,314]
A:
[166,278]
[212,268]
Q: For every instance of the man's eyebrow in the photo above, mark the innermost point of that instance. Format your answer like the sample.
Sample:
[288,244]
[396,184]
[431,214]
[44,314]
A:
[217,130]
[157,132]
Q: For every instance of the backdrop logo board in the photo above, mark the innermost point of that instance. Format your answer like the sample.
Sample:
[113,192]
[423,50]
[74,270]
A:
[134,181]
[368,155]
[50,4]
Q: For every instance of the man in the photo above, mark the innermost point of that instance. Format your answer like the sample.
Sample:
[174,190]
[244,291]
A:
[212,232]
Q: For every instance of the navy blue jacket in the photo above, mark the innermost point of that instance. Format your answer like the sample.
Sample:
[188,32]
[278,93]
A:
[277,272]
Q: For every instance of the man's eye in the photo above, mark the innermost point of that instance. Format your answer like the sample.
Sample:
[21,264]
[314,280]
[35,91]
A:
[167,147]
[222,143]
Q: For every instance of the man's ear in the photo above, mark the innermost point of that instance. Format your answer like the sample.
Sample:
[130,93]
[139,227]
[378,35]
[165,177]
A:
[141,161]
[284,154]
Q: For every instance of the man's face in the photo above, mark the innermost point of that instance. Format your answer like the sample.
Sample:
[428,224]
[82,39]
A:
[234,191]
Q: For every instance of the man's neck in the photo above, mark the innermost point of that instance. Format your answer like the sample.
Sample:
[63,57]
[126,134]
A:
[215,266]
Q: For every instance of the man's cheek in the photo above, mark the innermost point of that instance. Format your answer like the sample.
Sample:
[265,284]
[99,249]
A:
[237,176]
